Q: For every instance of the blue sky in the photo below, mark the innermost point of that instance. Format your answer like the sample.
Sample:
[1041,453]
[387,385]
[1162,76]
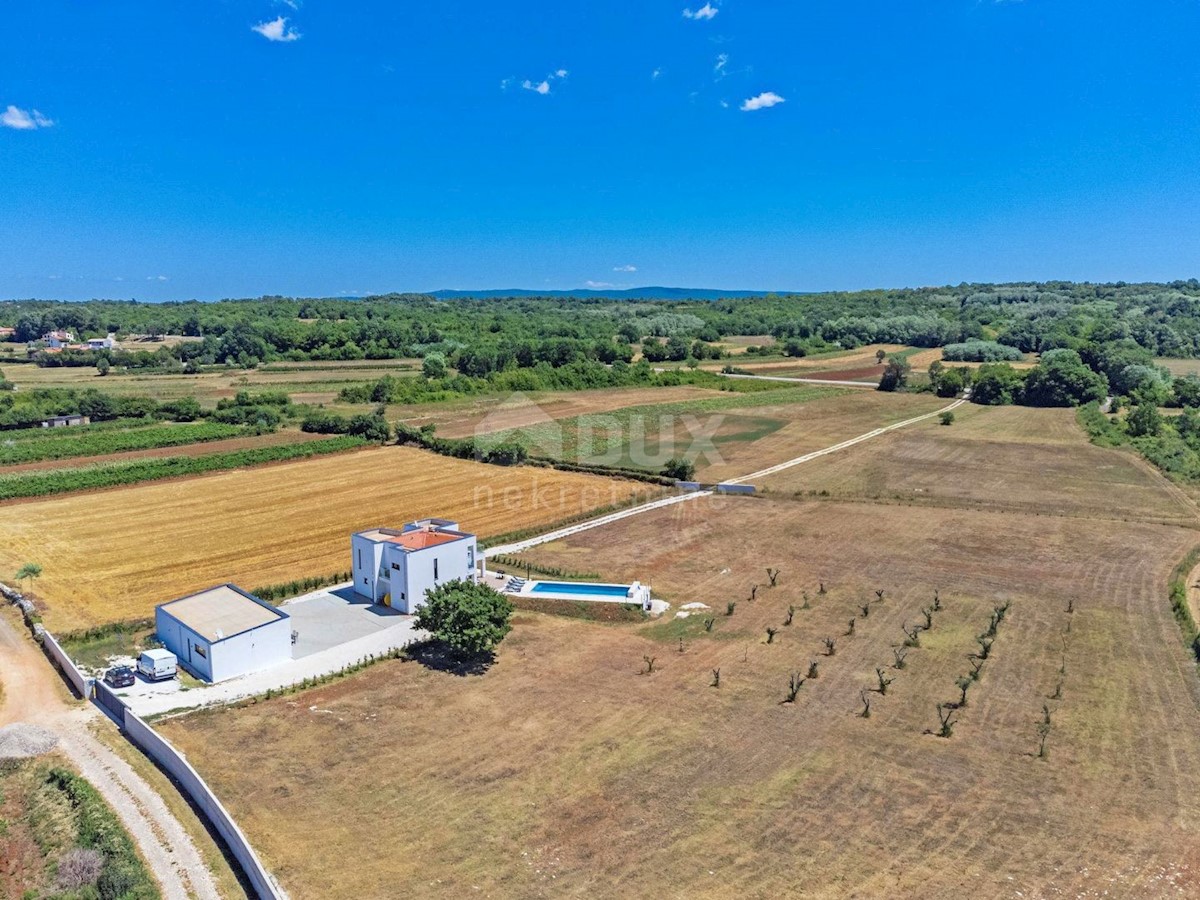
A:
[166,149]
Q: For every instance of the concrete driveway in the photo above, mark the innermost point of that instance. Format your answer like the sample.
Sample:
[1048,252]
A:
[325,619]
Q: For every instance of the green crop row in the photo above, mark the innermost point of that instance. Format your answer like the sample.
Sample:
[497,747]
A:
[60,481]
[87,443]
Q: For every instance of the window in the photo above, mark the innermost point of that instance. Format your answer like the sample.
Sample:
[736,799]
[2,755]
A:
[435,574]
[360,557]
[200,651]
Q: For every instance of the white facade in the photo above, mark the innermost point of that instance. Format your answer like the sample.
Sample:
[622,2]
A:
[58,339]
[224,632]
[398,568]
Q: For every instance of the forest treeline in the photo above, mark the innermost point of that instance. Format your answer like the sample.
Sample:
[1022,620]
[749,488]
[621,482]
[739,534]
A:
[479,337]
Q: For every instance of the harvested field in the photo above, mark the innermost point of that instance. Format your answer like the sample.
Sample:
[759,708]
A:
[1180,367]
[821,422]
[317,381]
[202,449]
[700,428]
[262,526]
[996,464]
[601,781]
[860,373]
[488,415]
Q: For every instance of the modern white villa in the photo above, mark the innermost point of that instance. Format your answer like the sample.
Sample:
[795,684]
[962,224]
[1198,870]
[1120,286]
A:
[397,568]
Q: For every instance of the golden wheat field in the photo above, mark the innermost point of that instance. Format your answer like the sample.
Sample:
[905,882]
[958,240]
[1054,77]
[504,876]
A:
[114,555]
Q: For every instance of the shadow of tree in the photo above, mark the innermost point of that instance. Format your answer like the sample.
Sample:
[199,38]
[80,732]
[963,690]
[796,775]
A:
[441,657]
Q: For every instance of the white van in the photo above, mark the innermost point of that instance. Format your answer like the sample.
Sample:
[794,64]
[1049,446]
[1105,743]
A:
[157,665]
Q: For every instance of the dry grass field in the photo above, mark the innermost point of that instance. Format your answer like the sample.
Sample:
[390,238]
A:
[308,382]
[818,423]
[483,415]
[565,771]
[114,555]
[1035,461]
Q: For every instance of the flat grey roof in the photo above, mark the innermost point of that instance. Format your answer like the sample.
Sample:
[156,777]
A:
[221,612]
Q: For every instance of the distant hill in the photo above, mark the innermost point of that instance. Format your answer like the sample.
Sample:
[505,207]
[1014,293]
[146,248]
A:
[642,293]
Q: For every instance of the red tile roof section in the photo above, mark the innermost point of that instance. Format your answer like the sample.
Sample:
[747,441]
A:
[420,540]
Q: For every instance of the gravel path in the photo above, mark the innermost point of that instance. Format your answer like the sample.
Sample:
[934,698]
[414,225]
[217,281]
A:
[36,707]
[21,741]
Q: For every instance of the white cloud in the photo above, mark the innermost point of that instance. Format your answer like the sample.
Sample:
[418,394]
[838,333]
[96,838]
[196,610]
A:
[763,101]
[624,268]
[707,11]
[722,62]
[655,74]
[277,30]
[24,120]
[157,278]
[538,87]
[598,285]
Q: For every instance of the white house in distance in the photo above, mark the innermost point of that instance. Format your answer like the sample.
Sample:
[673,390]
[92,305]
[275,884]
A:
[399,567]
[224,632]
[104,343]
[58,339]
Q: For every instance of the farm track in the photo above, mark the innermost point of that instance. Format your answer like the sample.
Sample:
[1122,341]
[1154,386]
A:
[34,694]
[520,546]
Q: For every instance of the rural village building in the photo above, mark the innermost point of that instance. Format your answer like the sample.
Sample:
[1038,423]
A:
[65,421]
[224,632]
[58,339]
[398,568]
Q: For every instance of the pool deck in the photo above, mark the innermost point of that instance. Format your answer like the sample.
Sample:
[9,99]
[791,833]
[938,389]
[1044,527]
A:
[500,583]
[529,590]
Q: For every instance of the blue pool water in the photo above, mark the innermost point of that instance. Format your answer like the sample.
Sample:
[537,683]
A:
[580,590]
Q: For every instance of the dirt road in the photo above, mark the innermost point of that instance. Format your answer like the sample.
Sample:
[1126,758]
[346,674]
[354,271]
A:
[33,693]
[560,534]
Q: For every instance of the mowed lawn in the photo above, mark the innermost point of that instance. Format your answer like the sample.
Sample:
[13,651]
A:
[565,771]
[114,555]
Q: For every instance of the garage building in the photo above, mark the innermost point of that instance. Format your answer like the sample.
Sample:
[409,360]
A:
[224,632]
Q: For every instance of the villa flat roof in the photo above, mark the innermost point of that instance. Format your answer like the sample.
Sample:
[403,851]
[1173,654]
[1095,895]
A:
[221,612]
[379,534]
[421,540]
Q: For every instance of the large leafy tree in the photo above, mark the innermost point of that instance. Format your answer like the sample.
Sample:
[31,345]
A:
[471,618]
[997,384]
[1062,379]
[895,374]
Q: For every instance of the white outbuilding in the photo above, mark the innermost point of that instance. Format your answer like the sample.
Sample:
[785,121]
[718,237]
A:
[398,567]
[224,632]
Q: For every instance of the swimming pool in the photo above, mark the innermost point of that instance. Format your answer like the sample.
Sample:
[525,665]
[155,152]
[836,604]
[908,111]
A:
[608,591]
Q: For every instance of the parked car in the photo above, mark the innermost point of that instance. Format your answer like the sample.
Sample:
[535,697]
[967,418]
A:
[157,665]
[119,677]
